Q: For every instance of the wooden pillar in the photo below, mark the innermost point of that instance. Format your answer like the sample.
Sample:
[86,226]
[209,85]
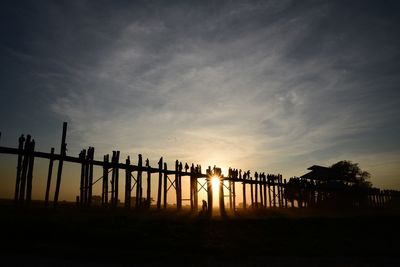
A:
[177,184]
[86,179]
[244,194]
[209,195]
[256,189]
[279,191]
[112,178]
[196,194]
[269,190]
[165,185]
[191,192]
[300,199]
[261,191]
[284,193]
[234,195]
[265,190]
[195,191]
[49,174]
[180,184]
[221,196]
[251,192]
[21,141]
[82,157]
[60,163]
[90,177]
[104,196]
[230,193]
[139,182]
[273,192]
[148,195]
[115,178]
[30,172]
[160,164]
[116,182]
[128,183]
[24,171]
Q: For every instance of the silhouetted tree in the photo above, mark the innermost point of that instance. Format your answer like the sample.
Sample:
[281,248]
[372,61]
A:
[351,172]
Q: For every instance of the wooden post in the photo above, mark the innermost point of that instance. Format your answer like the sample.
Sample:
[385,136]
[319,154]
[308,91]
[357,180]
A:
[244,194]
[90,178]
[86,179]
[116,182]
[251,192]
[177,184]
[49,174]
[148,195]
[230,193]
[104,196]
[30,173]
[21,141]
[112,178]
[261,191]
[195,192]
[160,164]
[139,182]
[25,164]
[82,157]
[191,192]
[128,183]
[221,196]
[279,191]
[273,192]
[269,190]
[63,151]
[234,195]
[180,184]
[209,195]
[265,190]
[165,185]
[284,193]
[256,189]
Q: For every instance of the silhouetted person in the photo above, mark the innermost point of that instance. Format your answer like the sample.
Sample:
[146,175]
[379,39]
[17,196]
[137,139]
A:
[186,167]
[21,139]
[208,171]
[204,205]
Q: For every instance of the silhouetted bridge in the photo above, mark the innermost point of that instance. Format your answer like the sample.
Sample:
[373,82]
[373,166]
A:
[266,190]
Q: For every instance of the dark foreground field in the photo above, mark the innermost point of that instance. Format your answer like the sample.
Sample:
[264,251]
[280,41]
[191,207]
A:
[71,237]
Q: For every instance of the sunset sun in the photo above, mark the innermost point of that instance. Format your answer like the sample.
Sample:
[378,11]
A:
[215,183]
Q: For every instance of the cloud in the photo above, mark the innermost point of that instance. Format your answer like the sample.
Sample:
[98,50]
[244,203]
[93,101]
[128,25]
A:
[267,84]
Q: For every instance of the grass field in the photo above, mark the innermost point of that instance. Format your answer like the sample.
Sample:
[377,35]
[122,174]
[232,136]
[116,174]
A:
[69,236]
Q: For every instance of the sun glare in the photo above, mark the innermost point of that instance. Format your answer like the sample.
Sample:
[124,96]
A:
[215,182]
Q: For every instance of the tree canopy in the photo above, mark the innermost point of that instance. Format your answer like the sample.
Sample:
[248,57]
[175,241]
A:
[351,172]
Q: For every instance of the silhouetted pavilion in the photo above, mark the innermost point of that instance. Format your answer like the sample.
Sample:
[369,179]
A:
[320,173]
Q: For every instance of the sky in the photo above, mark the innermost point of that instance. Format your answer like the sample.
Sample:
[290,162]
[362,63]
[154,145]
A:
[271,86]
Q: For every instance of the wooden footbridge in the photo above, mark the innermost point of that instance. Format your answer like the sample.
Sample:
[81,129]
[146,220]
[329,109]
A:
[266,190]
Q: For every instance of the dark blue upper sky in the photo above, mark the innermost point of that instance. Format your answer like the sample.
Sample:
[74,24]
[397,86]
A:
[275,86]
